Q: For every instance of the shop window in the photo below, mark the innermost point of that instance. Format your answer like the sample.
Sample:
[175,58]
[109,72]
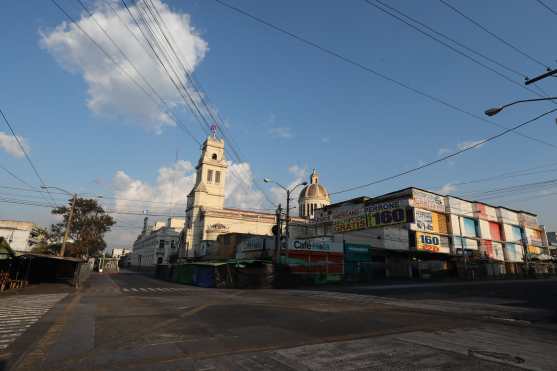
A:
[217,177]
[210,176]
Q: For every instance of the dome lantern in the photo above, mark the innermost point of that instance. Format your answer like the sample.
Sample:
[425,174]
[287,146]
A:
[313,196]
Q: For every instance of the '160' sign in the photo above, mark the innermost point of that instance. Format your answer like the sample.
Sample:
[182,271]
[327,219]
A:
[374,220]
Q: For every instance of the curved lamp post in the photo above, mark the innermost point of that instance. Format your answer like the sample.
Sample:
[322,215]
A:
[288,192]
[495,110]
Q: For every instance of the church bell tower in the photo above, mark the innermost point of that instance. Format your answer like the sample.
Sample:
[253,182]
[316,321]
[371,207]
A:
[208,191]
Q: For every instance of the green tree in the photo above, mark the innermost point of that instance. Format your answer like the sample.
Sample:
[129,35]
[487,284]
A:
[89,224]
[43,242]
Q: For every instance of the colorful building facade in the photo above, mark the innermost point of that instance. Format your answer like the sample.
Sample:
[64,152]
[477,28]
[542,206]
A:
[415,232]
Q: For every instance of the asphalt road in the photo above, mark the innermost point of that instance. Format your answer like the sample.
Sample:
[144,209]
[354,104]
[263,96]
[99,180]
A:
[540,293]
[130,321]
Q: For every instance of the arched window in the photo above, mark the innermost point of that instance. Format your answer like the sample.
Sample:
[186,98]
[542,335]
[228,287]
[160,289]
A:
[214,156]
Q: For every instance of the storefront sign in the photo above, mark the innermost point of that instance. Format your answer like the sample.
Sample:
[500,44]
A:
[255,247]
[527,219]
[432,243]
[507,216]
[459,207]
[430,221]
[482,211]
[373,216]
[428,201]
[534,250]
[315,245]
[492,250]
[534,236]
[514,253]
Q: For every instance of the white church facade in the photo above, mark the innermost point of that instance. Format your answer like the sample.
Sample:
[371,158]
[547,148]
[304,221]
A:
[207,217]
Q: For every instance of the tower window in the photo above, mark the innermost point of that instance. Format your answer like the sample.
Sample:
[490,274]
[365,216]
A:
[209,176]
[214,156]
[217,177]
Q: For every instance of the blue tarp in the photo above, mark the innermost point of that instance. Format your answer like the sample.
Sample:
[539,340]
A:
[204,276]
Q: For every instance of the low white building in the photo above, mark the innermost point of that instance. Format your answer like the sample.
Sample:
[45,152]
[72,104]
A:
[17,234]
[157,244]
[118,252]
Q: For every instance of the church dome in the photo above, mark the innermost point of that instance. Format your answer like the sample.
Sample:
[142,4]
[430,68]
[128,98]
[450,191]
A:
[315,191]
[313,196]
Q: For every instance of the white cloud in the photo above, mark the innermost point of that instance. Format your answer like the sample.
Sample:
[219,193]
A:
[242,193]
[110,92]
[443,152]
[168,195]
[469,143]
[460,146]
[9,144]
[281,132]
[448,188]
[279,195]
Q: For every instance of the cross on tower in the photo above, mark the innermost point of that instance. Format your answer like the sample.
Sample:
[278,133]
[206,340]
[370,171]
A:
[214,130]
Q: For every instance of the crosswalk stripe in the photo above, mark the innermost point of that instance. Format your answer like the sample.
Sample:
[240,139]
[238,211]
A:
[18,313]
[125,290]
[134,290]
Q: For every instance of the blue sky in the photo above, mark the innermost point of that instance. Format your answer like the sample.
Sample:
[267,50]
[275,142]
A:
[287,104]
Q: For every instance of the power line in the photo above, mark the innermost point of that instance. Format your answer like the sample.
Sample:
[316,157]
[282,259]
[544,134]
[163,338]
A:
[546,6]
[13,175]
[510,69]
[26,155]
[520,85]
[506,175]
[191,99]
[151,88]
[476,145]
[188,70]
[188,74]
[371,70]
[479,25]
[177,84]
[513,188]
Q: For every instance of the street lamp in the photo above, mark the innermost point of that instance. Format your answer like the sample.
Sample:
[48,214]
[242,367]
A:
[495,110]
[69,223]
[288,192]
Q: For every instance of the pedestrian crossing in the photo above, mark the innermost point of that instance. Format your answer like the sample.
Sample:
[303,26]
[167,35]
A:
[155,290]
[18,313]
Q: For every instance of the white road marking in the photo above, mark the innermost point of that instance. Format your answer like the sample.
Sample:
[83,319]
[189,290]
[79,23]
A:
[18,313]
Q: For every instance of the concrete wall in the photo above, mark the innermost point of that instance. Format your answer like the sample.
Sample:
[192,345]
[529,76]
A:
[17,234]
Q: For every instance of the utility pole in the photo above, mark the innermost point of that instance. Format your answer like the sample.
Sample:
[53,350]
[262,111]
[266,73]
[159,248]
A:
[462,248]
[68,226]
[287,221]
[278,239]
[548,73]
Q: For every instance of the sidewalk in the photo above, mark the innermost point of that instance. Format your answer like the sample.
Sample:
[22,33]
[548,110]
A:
[395,285]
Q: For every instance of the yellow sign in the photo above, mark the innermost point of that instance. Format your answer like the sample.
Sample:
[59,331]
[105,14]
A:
[372,220]
[430,221]
[350,224]
[534,250]
[432,243]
